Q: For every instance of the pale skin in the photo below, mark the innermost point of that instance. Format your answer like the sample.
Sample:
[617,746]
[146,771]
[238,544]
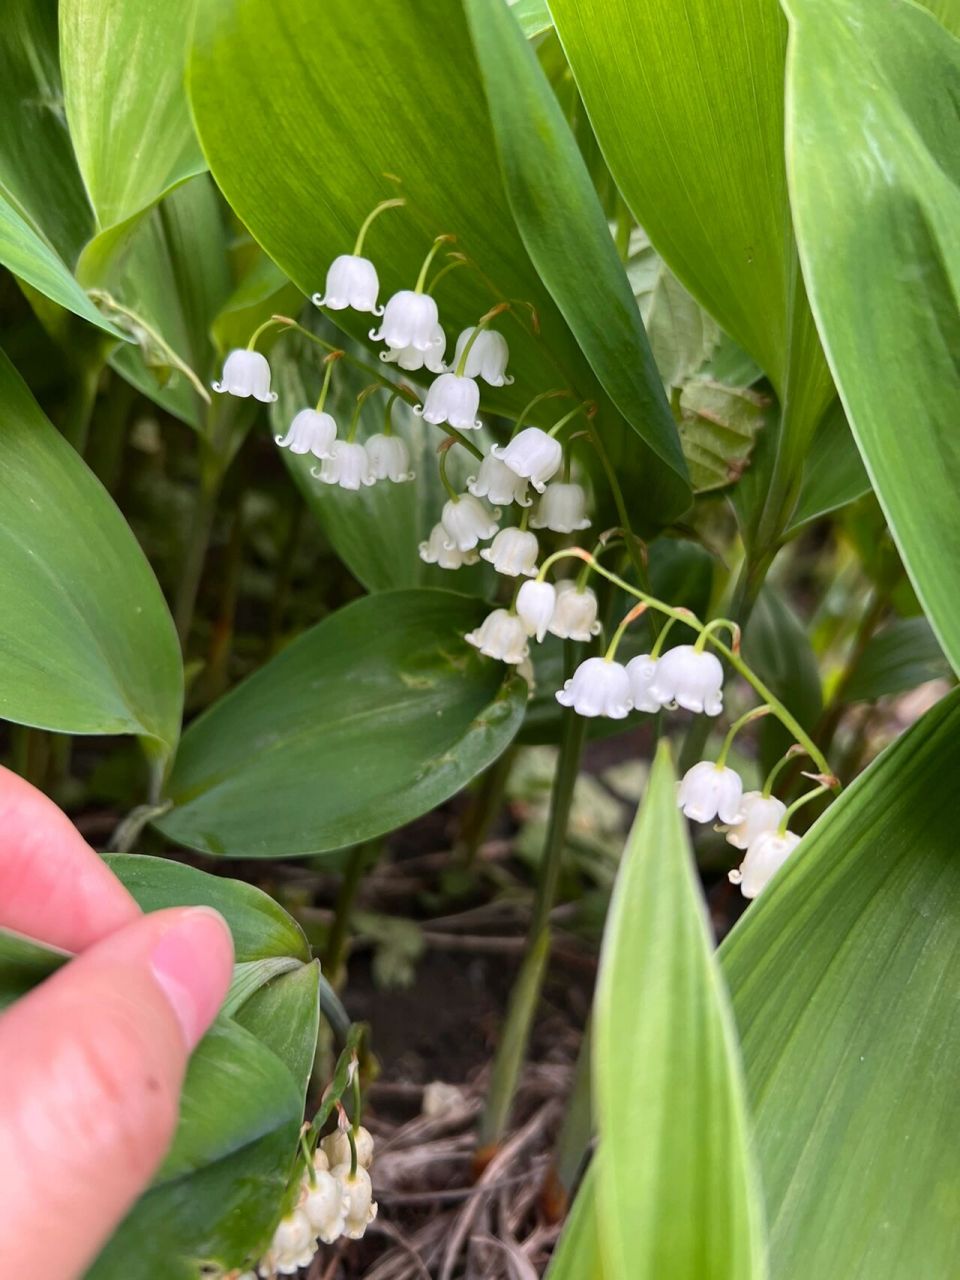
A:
[92,1060]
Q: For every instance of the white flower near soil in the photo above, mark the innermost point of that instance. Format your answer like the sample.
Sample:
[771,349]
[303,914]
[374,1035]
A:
[352,282]
[438,550]
[410,319]
[311,431]
[454,400]
[760,814]
[293,1246]
[764,858]
[562,508]
[336,1147]
[513,552]
[688,679]
[709,791]
[389,458]
[487,358]
[532,454]
[412,358]
[598,687]
[246,373]
[497,482]
[467,521]
[501,635]
[575,614]
[536,602]
[361,1208]
[642,671]
[324,1204]
[348,466]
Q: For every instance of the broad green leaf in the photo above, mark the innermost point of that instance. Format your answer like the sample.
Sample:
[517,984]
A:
[366,721]
[123,88]
[577,1254]
[262,291]
[686,100]
[777,647]
[718,426]
[23,963]
[364,126]
[532,15]
[219,1190]
[565,232]
[377,531]
[31,259]
[946,11]
[874,171]
[901,656]
[260,927]
[676,1192]
[844,976]
[285,1014]
[834,473]
[87,642]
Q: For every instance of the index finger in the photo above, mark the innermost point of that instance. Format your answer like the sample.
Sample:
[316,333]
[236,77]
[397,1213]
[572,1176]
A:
[53,887]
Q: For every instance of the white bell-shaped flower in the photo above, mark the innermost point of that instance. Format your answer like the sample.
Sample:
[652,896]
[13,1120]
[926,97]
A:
[324,1204]
[598,687]
[562,508]
[642,671]
[487,358]
[409,320]
[533,455]
[438,550]
[292,1247]
[412,358]
[764,858]
[348,466]
[513,552]
[358,1197]
[336,1147]
[760,813]
[501,635]
[709,791]
[246,373]
[454,400]
[686,678]
[536,602]
[310,432]
[351,282]
[497,482]
[467,522]
[575,615]
[389,458]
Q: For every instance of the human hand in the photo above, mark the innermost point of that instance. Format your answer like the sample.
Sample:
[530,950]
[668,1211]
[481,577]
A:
[91,1061]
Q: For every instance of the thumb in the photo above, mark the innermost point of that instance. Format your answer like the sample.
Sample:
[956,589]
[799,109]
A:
[91,1066]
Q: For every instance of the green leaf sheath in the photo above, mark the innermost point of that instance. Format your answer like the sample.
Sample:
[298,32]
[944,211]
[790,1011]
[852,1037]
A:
[366,721]
[677,1195]
[86,640]
[844,976]
[874,172]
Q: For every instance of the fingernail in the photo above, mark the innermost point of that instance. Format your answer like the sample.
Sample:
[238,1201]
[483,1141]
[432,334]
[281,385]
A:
[192,963]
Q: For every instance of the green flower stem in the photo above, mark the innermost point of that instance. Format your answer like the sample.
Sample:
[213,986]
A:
[388,413]
[434,250]
[630,538]
[661,638]
[781,764]
[267,324]
[477,330]
[445,479]
[450,266]
[525,412]
[788,721]
[361,859]
[634,613]
[357,1102]
[805,799]
[714,625]
[329,361]
[558,426]
[754,714]
[374,213]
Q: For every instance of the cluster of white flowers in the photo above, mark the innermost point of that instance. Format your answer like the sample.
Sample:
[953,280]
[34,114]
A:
[683,677]
[753,821]
[331,1203]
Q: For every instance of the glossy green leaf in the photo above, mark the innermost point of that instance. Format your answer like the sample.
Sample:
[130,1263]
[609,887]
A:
[532,15]
[844,976]
[686,100]
[566,234]
[285,1014]
[262,291]
[363,126]
[87,642]
[308,755]
[834,474]
[901,656]
[122,69]
[676,1193]
[577,1254]
[875,182]
[946,11]
[260,927]
[24,963]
